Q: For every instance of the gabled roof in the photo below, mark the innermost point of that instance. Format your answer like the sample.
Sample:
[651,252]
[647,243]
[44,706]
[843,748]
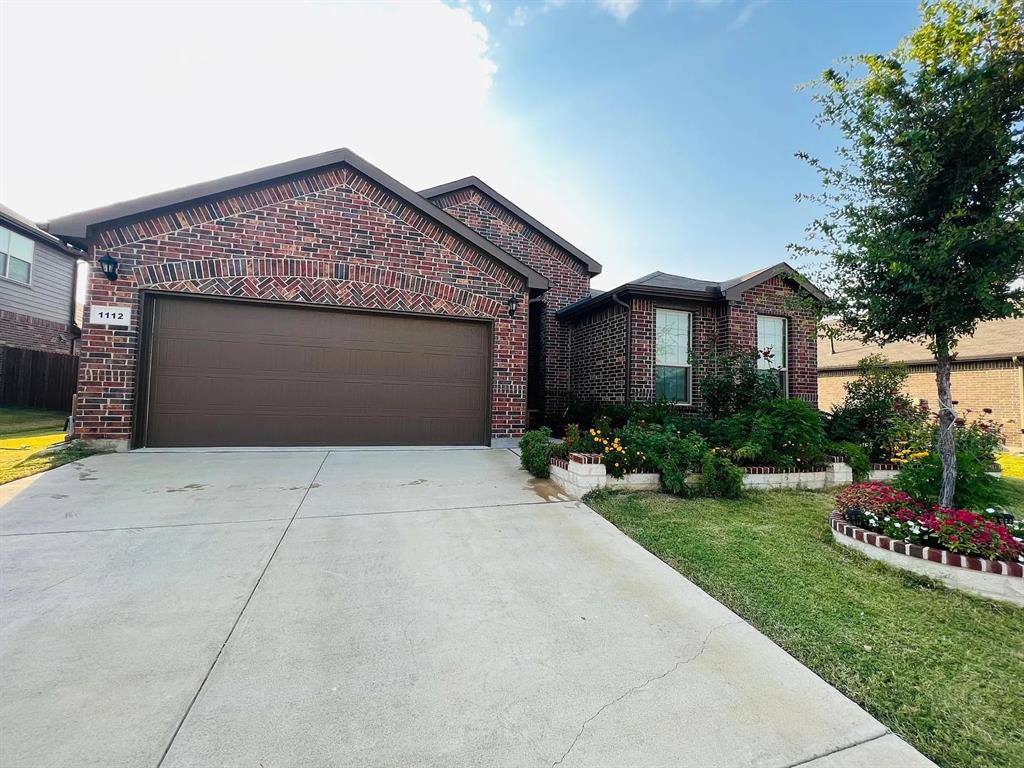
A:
[993,340]
[664,285]
[473,182]
[15,221]
[75,226]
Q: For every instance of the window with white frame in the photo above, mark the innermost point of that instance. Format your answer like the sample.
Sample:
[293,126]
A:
[16,256]
[772,356]
[672,355]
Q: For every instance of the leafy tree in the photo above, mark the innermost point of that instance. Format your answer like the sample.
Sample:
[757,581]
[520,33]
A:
[921,218]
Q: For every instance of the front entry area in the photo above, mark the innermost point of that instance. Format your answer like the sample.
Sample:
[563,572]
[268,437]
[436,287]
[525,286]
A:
[220,372]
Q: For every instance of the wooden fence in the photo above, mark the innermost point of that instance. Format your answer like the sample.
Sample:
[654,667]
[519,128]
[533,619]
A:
[34,379]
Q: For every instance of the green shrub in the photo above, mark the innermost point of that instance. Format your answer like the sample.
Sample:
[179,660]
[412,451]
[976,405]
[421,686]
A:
[658,448]
[790,433]
[559,450]
[732,382]
[877,415]
[975,488]
[976,446]
[981,438]
[781,433]
[535,451]
[720,478]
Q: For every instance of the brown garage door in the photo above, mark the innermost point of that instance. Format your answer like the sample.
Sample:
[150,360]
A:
[233,373]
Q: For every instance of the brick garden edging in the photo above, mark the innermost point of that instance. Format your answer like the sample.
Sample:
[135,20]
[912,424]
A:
[932,554]
[581,473]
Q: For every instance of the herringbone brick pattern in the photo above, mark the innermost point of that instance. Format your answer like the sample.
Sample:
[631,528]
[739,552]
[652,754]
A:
[331,238]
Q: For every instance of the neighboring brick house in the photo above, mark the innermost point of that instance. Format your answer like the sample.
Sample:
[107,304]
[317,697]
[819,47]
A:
[987,373]
[649,338]
[322,302]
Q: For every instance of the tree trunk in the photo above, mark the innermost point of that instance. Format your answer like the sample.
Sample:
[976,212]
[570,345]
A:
[947,423]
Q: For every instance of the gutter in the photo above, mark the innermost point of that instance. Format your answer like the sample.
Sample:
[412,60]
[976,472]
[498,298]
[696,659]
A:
[635,289]
[1019,362]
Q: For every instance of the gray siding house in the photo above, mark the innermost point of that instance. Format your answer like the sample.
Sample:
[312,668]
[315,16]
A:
[37,287]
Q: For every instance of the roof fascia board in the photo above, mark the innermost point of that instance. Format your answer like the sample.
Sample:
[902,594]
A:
[638,289]
[852,367]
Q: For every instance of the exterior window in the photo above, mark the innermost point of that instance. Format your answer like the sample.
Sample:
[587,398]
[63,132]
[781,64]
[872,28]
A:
[15,256]
[672,355]
[771,346]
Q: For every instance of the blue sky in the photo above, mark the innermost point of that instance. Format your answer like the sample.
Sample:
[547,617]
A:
[687,116]
[652,134]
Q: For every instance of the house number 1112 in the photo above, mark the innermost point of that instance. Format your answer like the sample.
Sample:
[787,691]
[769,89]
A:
[119,316]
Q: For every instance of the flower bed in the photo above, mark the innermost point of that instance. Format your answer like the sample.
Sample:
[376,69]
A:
[878,508]
[931,554]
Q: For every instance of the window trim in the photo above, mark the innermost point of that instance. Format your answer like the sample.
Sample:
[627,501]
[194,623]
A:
[689,351]
[784,369]
[5,275]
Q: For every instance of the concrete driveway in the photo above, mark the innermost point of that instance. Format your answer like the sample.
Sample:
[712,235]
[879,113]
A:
[375,608]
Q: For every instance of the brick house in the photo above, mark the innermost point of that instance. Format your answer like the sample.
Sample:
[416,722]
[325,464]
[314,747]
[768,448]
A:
[987,373]
[322,302]
[648,338]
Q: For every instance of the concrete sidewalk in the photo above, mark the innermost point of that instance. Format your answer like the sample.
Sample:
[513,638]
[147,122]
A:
[351,608]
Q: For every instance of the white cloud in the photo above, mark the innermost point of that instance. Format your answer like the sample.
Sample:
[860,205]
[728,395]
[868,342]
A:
[519,17]
[131,99]
[745,15]
[620,9]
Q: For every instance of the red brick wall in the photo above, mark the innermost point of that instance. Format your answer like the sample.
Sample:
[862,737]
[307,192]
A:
[27,332]
[598,356]
[714,327]
[569,279]
[775,297]
[332,237]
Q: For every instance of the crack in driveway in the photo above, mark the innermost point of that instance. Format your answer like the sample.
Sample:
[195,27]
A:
[644,684]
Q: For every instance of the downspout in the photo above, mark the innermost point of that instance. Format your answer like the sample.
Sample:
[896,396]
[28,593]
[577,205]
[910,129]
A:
[540,298]
[1019,362]
[629,347]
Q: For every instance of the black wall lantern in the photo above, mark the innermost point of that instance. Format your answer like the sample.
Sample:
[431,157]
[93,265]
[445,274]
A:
[109,266]
[512,304]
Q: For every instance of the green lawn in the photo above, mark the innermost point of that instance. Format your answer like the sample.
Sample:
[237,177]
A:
[942,669]
[25,432]
[1013,496]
